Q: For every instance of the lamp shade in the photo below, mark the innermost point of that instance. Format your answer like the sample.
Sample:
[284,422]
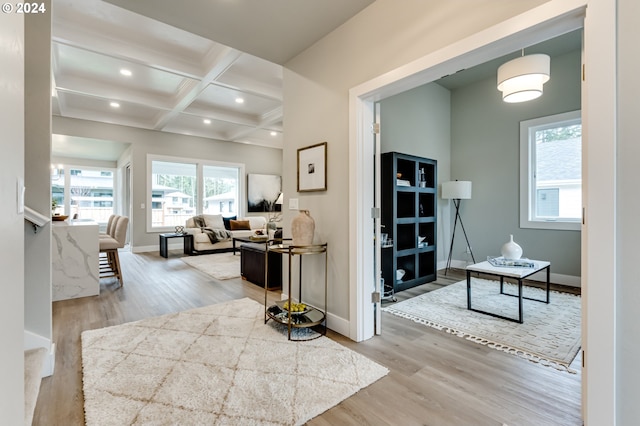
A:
[456,190]
[521,79]
[280,198]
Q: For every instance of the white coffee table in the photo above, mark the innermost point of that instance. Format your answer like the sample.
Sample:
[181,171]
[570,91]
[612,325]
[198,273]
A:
[520,274]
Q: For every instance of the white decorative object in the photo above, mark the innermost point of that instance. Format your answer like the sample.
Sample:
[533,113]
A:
[399,274]
[511,250]
[302,228]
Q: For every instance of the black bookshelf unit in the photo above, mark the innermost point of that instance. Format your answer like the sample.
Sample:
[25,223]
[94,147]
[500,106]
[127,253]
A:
[409,199]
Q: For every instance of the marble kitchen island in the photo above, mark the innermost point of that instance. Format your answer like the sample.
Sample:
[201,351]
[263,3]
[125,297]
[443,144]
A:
[75,250]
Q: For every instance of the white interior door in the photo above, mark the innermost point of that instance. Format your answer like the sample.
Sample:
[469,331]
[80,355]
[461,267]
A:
[377,263]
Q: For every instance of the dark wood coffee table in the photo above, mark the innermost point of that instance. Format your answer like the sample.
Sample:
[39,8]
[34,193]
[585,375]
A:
[248,240]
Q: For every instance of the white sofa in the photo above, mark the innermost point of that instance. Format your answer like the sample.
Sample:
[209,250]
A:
[201,241]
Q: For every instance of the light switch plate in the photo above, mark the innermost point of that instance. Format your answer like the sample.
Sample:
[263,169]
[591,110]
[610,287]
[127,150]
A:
[293,204]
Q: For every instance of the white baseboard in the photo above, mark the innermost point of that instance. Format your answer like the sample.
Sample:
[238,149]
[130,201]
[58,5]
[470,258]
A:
[568,280]
[33,341]
[338,324]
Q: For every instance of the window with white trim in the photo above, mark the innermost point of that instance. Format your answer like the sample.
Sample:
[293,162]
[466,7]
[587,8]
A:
[83,192]
[179,188]
[551,172]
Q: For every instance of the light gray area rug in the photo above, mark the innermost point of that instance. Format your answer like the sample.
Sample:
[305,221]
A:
[221,266]
[550,335]
[217,365]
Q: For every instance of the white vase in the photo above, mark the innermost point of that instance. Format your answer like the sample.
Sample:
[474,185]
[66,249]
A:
[511,250]
[302,228]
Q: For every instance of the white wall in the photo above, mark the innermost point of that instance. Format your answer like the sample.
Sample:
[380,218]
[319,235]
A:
[257,159]
[384,36]
[37,155]
[11,225]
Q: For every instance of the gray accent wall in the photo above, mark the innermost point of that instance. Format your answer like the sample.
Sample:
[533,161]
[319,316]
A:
[485,149]
[475,136]
[418,122]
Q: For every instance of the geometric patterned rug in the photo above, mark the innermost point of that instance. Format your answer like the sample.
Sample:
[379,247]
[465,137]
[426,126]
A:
[216,365]
[550,334]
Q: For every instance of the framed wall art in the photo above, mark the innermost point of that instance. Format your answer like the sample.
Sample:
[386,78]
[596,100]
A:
[263,192]
[312,168]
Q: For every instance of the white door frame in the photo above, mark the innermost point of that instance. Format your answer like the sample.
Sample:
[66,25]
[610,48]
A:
[541,23]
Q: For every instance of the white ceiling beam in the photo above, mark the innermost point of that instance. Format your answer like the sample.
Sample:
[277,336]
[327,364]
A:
[110,92]
[220,61]
[125,50]
[267,120]
[248,85]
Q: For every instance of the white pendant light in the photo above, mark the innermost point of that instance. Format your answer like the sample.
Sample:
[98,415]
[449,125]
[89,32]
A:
[521,79]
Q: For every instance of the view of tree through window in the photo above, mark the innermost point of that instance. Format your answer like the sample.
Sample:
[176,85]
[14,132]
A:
[85,193]
[175,191]
[221,190]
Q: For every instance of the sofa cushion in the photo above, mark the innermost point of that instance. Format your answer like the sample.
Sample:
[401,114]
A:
[227,220]
[257,222]
[237,225]
[214,221]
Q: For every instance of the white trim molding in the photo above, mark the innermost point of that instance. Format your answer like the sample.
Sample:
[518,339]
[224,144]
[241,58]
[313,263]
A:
[34,341]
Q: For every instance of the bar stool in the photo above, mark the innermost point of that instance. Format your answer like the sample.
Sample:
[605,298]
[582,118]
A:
[109,245]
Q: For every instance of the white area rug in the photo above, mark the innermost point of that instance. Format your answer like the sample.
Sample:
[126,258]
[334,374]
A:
[217,365]
[221,266]
[550,335]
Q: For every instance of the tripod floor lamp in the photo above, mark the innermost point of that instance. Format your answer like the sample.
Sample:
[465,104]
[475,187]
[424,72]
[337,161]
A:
[457,190]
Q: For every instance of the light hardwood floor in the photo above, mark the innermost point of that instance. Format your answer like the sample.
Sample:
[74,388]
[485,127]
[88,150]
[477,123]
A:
[435,378]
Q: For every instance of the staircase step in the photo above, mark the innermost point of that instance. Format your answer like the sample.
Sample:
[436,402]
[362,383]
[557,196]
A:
[33,363]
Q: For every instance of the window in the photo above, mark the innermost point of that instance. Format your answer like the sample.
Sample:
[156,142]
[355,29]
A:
[182,188]
[221,190]
[551,172]
[87,192]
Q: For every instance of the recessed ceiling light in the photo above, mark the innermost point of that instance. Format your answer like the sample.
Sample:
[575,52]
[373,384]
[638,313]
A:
[274,133]
[239,100]
[126,72]
[115,105]
[206,121]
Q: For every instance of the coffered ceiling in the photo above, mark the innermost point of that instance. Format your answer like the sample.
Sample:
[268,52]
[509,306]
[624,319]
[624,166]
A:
[208,68]
[117,66]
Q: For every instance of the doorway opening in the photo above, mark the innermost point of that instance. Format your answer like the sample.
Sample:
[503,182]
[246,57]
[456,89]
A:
[494,43]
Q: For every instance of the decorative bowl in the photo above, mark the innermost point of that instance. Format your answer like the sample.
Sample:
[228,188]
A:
[59,217]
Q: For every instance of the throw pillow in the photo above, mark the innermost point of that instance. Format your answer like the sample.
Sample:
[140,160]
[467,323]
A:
[226,221]
[237,225]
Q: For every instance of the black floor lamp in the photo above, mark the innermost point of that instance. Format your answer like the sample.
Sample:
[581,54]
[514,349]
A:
[457,190]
